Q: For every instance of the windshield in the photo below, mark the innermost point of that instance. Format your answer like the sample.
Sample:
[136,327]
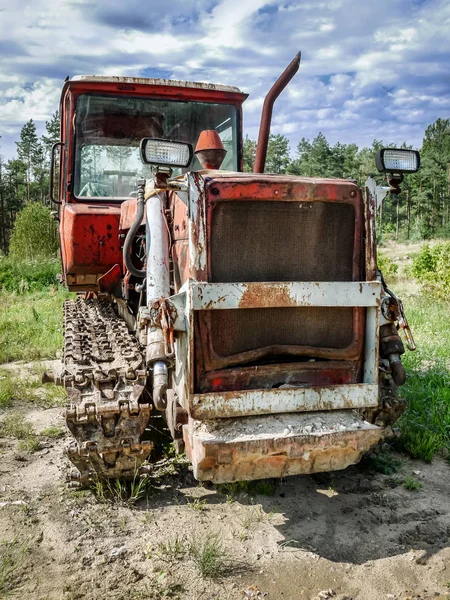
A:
[109,130]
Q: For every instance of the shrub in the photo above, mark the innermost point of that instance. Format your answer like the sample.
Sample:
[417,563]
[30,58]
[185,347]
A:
[431,266]
[34,235]
[386,265]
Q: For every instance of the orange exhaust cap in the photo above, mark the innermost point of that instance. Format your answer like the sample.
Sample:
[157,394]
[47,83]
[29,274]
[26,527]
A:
[209,149]
[209,139]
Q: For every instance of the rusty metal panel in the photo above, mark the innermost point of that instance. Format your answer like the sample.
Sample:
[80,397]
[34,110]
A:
[90,238]
[282,400]
[160,82]
[370,215]
[315,373]
[195,296]
[214,193]
[128,214]
[212,296]
[371,345]
[197,228]
[277,446]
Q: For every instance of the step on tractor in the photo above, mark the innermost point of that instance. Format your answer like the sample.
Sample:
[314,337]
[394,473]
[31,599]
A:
[241,313]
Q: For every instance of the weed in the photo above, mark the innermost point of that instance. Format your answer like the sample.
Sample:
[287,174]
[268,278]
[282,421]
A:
[411,483]
[263,487]
[79,493]
[252,515]
[14,425]
[148,518]
[273,511]
[6,390]
[198,505]
[243,536]
[30,444]
[231,490]
[157,589]
[53,432]
[13,557]
[384,462]
[209,555]
[53,396]
[14,388]
[170,551]
[120,491]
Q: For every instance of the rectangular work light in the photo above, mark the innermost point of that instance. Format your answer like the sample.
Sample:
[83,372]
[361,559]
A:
[165,152]
[397,160]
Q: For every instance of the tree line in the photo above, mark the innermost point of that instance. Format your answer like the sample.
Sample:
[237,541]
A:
[421,211]
[25,178]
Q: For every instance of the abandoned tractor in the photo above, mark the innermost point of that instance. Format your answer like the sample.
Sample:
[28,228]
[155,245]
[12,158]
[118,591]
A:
[245,309]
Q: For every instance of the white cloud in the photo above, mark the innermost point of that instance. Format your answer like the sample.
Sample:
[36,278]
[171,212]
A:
[368,70]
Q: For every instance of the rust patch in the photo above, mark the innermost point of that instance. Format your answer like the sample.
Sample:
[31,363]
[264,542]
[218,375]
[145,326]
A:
[260,295]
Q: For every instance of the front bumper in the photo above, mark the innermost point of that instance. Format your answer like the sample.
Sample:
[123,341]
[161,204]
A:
[268,446]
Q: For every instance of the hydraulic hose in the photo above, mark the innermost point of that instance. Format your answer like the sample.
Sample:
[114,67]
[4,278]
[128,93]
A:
[140,205]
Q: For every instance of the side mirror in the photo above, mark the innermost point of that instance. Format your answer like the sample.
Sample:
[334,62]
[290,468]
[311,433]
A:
[165,153]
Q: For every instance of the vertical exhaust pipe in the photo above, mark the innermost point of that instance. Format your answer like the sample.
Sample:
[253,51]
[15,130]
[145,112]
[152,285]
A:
[266,116]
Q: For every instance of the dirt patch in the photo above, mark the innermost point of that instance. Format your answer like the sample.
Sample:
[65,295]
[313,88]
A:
[349,534]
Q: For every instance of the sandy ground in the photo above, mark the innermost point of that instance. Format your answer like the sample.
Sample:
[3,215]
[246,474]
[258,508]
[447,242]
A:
[343,535]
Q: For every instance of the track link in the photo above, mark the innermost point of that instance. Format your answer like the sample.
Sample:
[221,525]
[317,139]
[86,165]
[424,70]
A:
[105,376]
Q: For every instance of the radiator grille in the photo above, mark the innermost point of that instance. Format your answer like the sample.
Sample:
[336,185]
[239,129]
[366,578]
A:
[281,241]
[237,331]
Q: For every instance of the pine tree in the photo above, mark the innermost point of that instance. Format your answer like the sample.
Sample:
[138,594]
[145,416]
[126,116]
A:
[278,156]
[52,127]
[27,149]
[249,153]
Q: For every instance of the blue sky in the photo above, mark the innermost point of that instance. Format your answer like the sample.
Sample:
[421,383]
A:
[369,69]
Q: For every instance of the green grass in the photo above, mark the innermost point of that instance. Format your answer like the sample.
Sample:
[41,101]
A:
[171,551]
[209,555]
[17,386]
[52,433]
[22,276]
[206,550]
[384,463]
[262,487]
[198,505]
[425,425]
[31,324]
[251,516]
[117,491]
[14,425]
[411,483]
[7,390]
[13,558]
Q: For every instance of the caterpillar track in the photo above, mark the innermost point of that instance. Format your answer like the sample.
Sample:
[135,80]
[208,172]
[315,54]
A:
[105,376]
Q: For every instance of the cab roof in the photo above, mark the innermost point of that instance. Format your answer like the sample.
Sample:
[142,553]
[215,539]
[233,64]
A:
[153,81]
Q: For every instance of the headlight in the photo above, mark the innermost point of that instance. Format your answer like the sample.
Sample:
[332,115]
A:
[165,152]
[397,160]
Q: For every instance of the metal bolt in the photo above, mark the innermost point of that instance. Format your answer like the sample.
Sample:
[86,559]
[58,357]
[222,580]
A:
[353,193]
